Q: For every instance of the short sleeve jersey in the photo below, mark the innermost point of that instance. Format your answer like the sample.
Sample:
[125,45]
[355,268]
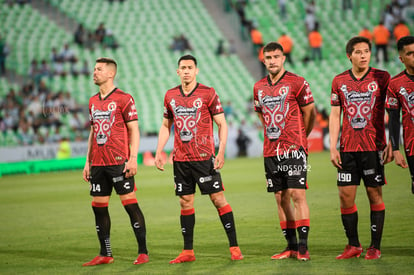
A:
[279,103]
[400,95]
[362,102]
[108,116]
[193,121]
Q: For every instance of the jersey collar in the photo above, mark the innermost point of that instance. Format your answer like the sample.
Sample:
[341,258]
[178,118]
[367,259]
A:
[190,93]
[362,78]
[269,81]
[410,76]
[108,94]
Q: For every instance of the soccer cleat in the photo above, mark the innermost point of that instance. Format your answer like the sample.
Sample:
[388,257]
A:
[185,256]
[350,252]
[142,259]
[99,260]
[236,253]
[373,254]
[287,253]
[303,257]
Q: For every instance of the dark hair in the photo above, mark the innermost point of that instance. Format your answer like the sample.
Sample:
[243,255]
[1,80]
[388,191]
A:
[187,57]
[355,40]
[272,46]
[106,60]
[404,41]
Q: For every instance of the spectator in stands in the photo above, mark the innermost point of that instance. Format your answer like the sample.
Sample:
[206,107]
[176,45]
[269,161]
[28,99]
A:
[180,43]
[220,48]
[282,8]
[287,44]
[100,33]
[315,43]
[260,57]
[346,4]
[84,70]
[25,133]
[365,32]
[401,30]
[242,142]
[310,17]
[4,51]
[109,40]
[44,69]
[389,18]
[42,90]
[67,54]
[59,68]
[381,37]
[257,38]
[80,35]
[34,71]
[90,41]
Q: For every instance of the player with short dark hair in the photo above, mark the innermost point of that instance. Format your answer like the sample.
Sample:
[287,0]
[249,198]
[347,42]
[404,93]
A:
[285,106]
[400,95]
[359,93]
[111,161]
[192,107]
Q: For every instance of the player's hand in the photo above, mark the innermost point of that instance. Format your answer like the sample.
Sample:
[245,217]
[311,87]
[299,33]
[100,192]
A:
[336,158]
[159,162]
[219,161]
[86,172]
[399,159]
[130,168]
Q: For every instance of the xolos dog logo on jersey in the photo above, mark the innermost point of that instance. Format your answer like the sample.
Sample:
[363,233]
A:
[187,119]
[409,101]
[274,110]
[360,105]
[102,123]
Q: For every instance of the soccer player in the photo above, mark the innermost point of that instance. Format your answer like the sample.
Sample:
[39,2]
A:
[192,107]
[284,103]
[359,93]
[400,95]
[111,161]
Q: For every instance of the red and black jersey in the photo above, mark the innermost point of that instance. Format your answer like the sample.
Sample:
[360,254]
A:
[193,121]
[108,116]
[362,102]
[279,103]
[400,95]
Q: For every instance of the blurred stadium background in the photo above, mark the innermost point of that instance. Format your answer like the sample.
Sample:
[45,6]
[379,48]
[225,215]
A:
[144,31]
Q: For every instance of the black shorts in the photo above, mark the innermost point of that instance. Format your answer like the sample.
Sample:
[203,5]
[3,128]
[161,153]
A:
[189,173]
[286,172]
[368,166]
[103,178]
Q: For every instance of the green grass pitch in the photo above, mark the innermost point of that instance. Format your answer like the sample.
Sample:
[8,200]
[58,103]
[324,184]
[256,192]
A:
[47,225]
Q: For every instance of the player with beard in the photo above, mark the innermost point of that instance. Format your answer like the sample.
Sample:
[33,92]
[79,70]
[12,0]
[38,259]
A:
[192,107]
[359,93]
[400,95]
[284,104]
[111,161]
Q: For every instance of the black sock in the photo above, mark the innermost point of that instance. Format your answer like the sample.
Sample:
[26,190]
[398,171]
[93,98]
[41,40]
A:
[228,224]
[138,225]
[303,227]
[350,223]
[291,239]
[103,228]
[377,224]
[187,220]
